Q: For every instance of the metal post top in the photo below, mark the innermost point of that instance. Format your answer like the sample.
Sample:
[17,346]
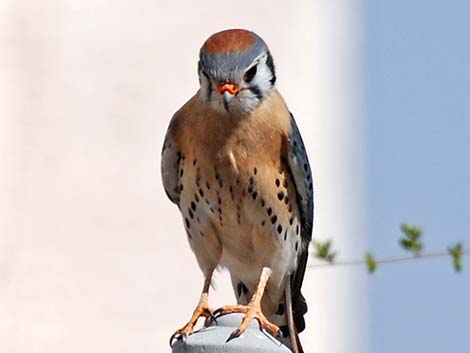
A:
[212,339]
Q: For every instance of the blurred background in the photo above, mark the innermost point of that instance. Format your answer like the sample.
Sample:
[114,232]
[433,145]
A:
[93,256]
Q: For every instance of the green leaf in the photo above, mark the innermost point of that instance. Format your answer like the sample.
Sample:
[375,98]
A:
[411,240]
[456,253]
[370,263]
[323,250]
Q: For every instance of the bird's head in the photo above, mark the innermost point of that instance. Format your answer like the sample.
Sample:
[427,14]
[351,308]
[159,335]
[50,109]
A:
[236,71]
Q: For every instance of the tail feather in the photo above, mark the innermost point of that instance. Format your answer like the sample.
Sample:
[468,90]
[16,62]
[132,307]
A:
[299,308]
[294,318]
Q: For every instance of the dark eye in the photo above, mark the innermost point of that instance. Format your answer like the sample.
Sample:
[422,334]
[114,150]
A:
[250,74]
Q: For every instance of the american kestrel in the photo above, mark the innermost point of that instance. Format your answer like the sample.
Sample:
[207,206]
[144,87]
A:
[234,163]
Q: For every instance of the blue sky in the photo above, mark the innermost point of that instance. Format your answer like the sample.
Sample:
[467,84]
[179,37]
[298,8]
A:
[418,145]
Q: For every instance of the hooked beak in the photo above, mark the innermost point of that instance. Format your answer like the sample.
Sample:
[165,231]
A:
[228,90]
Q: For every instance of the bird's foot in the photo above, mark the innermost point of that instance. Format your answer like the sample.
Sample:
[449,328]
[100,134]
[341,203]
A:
[202,310]
[251,311]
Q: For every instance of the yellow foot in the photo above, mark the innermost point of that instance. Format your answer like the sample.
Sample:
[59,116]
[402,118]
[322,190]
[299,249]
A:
[251,311]
[182,333]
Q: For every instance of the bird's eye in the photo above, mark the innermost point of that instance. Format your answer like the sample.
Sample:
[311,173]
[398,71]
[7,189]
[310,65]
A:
[250,74]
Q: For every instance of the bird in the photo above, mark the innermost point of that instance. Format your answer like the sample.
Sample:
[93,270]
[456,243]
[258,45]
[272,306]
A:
[234,162]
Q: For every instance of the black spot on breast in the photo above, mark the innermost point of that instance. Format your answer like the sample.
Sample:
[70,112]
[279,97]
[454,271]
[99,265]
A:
[297,229]
[285,183]
[181,172]
[201,192]
[208,186]
[188,225]
[273,219]
[198,178]
[286,200]
[269,211]
[255,171]
[250,189]
[278,182]
[280,195]
[296,245]
[291,220]
[196,197]
[194,161]
[254,194]
[285,235]
[191,214]
[189,235]
[279,229]
[262,202]
[202,234]
[263,222]
[193,205]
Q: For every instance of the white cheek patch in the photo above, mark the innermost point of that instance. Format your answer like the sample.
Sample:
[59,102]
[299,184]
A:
[263,78]
[248,100]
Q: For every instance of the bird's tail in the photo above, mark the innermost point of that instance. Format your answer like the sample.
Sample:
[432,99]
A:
[289,316]
[293,320]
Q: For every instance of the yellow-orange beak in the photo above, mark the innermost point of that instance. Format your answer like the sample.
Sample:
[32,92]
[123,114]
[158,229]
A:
[228,87]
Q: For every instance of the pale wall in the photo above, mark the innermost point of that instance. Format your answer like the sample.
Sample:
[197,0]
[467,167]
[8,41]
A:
[92,255]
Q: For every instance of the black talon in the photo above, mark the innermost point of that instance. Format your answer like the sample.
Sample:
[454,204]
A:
[212,318]
[174,337]
[178,336]
[217,312]
[233,335]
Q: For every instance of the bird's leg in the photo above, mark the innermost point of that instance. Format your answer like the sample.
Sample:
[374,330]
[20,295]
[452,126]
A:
[202,309]
[252,310]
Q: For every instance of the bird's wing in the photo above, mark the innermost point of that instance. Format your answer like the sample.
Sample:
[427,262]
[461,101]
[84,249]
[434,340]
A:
[170,165]
[302,176]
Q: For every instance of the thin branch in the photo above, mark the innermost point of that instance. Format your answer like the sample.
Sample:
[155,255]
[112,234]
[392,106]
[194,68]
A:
[388,260]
